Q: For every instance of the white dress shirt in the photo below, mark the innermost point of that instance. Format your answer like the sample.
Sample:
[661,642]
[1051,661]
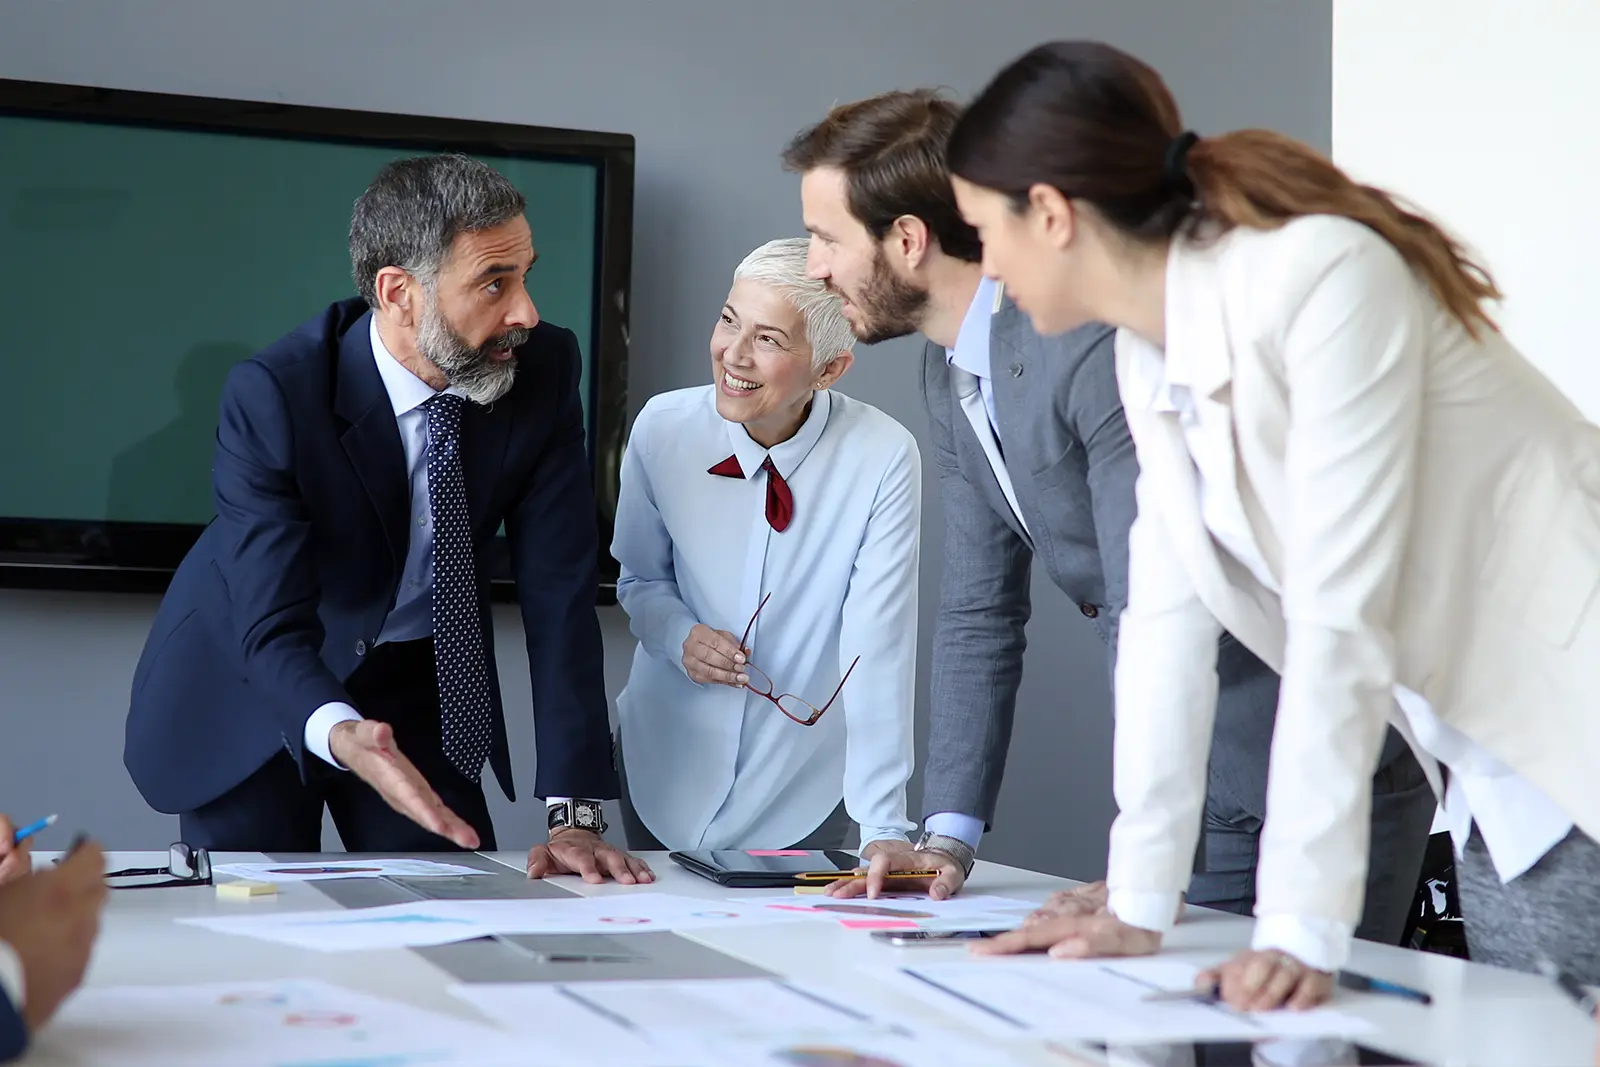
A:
[718,767]
[1518,823]
[12,980]
[970,369]
[412,615]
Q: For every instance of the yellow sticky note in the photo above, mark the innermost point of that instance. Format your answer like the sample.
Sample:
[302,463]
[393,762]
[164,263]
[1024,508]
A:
[804,890]
[245,890]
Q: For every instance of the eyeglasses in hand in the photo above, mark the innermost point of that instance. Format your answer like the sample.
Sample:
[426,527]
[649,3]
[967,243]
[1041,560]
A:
[185,866]
[798,710]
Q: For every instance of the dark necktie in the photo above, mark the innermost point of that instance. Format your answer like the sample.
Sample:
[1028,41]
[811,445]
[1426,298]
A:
[464,705]
[780,501]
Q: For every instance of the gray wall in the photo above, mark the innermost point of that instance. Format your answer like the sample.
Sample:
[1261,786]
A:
[711,89]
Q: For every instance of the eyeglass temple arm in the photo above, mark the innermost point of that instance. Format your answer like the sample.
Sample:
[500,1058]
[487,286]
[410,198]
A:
[843,680]
[751,624]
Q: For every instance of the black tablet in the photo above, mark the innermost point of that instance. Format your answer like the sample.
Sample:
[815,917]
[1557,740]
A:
[770,868]
[1270,1052]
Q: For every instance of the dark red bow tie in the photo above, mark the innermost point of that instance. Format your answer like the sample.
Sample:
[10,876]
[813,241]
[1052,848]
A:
[780,501]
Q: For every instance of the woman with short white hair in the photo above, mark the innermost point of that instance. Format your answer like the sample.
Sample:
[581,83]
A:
[767,530]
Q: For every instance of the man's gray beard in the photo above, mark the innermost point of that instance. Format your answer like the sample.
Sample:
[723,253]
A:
[473,370]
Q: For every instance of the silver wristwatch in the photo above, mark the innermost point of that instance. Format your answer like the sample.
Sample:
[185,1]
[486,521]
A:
[954,847]
[577,815]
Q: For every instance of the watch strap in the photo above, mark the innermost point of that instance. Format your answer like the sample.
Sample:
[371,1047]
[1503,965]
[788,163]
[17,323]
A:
[964,854]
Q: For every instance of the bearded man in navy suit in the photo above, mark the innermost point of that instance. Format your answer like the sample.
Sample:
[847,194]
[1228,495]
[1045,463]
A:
[327,642]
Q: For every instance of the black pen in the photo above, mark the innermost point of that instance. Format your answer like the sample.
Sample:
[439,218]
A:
[1571,987]
[1364,984]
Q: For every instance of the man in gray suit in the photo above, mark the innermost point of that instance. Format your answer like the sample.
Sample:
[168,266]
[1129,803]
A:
[1034,462]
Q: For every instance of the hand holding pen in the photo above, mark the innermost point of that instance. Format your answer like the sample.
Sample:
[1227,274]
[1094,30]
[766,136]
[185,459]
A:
[15,860]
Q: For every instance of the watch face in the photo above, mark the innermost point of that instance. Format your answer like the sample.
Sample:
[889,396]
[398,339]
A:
[587,816]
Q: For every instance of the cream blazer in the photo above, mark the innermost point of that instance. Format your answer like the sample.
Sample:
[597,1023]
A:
[1430,507]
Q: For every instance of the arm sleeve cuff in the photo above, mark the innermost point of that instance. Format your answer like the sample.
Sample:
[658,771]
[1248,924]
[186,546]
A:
[968,828]
[320,727]
[11,977]
[1147,909]
[1323,944]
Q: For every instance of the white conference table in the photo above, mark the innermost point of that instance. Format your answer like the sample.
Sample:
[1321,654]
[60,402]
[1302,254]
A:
[1480,1016]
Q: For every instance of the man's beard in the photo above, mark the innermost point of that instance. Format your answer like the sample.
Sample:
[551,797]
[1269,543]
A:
[472,369]
[889,307]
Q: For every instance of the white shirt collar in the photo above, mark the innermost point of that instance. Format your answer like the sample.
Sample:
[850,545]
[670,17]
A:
[406,391]
[971,351]
[786,455]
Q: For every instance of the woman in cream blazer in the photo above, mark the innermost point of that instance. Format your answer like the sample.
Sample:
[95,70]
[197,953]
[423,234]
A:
[1345,465]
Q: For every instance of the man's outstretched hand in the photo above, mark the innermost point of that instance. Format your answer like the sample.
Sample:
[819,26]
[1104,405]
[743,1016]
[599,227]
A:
[368,749]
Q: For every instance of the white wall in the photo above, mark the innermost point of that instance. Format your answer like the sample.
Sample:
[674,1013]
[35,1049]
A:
[1482,112]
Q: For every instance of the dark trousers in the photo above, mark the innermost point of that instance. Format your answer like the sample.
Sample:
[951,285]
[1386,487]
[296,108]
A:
[1403,806]
[274,811]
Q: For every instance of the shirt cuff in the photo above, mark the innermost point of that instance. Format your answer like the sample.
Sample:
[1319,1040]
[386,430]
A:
[678,633]
[1147,909]
[1322,944]
[320,727]
[869,834]
[550,802]
[968,828]
[12,980]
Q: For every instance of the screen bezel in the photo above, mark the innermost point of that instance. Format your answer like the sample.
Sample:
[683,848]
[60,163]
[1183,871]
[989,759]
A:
[139,557]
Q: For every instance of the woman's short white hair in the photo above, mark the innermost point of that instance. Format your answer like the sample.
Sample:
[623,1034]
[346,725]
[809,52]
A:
[782,265]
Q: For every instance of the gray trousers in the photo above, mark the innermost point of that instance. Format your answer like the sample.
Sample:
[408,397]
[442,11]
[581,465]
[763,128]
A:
[1551,910]
[835,832]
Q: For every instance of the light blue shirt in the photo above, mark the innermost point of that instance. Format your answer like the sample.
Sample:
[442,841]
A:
[412,615]
[711,766]
[971,354]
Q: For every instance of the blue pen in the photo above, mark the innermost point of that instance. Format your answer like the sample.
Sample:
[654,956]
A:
[1365,984]
[32,828]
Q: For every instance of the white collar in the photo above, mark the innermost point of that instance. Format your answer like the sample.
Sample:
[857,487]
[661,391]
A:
[786,455]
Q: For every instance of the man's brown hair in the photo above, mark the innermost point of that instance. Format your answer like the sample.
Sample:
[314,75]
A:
[890,149]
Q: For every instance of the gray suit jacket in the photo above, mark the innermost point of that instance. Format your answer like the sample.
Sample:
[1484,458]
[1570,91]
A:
[1072,468]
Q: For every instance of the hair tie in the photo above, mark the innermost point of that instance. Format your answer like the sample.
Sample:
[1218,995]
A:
[1175,166]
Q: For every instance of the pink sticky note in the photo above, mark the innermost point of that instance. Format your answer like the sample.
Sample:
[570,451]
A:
[792,907]
[776,852]
[877,924]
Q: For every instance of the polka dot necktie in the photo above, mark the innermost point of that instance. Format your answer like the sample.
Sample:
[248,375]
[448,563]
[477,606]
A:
[464,704]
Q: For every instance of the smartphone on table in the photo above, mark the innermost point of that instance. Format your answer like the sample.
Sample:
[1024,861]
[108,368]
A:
[932,937]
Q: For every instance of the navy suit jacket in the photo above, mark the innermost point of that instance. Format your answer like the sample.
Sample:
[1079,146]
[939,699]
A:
[287,588]
[13,1031]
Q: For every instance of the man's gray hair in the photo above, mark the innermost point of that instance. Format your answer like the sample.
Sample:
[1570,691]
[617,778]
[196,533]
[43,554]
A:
[782,265]
[411,213]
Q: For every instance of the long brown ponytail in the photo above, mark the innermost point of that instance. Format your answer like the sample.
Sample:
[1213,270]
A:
[1100,126]
[1262,179]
